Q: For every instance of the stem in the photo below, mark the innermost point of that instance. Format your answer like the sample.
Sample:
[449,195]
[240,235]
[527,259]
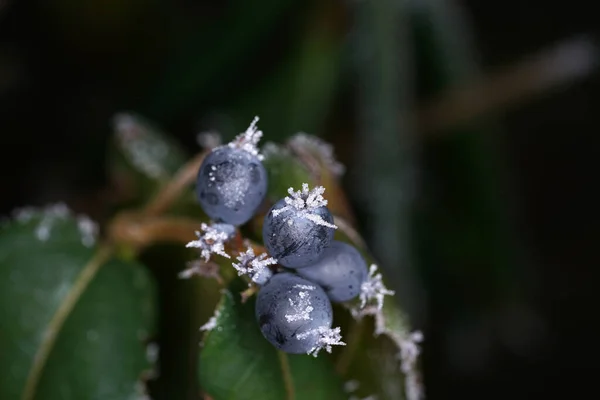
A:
[287,375]
[172,190]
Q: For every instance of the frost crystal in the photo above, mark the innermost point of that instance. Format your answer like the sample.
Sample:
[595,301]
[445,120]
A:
[88,230]
[208,139]
[248,140]
[323,149]
[306,201]
[302,307]
[53,213]
[327,337]
[144,153]
[409,354]
[211,323]
[256,267]
[211,241]
[373,288]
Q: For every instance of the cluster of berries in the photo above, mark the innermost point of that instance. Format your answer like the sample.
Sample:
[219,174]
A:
[305,270]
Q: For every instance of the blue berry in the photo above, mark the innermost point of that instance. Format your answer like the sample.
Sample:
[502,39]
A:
[340,272]
[292,313]
[231,185]
[297,229]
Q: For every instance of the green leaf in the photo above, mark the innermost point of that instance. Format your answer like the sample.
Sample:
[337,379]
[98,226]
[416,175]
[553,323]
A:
[284,171]
[375,342]
[237,362]
[74,320]
[142,158]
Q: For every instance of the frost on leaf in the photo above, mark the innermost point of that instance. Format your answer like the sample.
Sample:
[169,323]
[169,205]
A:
[305,202]
[301,307]
[143,148]
[373,289]
[256,267]
[248,140]
[202,268]
[53,214]
[211,323]
[208,139]
[210,241]
[322,149]
[327,337]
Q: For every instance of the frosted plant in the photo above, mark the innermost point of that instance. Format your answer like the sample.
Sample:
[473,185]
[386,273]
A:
[327,337]
[324,150]
[211,241]
[373,288]
[208,139]
[302,307]
[305,202]
[409,354]
[256,267]
[212,322]
[51,215]
[145,154]
[248,140]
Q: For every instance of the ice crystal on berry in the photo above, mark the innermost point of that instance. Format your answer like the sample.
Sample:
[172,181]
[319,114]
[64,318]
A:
[305,202]
[248,140]
[302,307]
[373,288]
[256,267]
[211,241]
[327,337]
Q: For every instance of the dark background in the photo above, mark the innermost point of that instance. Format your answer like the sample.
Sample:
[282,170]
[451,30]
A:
[522,330]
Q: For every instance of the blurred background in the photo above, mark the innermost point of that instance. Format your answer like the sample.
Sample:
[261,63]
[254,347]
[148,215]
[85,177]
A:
[468,130]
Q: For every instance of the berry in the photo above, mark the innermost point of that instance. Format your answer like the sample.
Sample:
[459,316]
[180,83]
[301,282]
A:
[298,228]
[295,315]
[341,272]
[232,182]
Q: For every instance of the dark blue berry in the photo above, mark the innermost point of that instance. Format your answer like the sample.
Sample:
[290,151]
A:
[290,312]
[340,271]
[293,239]
[231,185]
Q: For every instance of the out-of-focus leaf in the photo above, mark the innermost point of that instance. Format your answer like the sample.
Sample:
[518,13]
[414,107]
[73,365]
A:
[319,158]
[237,362]
[74,320]
[371,358]
[284,171]
[142,158]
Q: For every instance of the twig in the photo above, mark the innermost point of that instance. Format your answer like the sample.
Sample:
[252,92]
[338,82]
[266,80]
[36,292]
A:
[567,62]
[172,190]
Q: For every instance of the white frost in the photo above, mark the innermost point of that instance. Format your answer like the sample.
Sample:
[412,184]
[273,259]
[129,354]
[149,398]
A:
[142,153]
[256,267]
[52,214]
[211,323]
[327,337]
[373,288]
[305,202]
[323,149]
[208,139]
[88,230]
[248,140]
[211,241]
[301,308]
